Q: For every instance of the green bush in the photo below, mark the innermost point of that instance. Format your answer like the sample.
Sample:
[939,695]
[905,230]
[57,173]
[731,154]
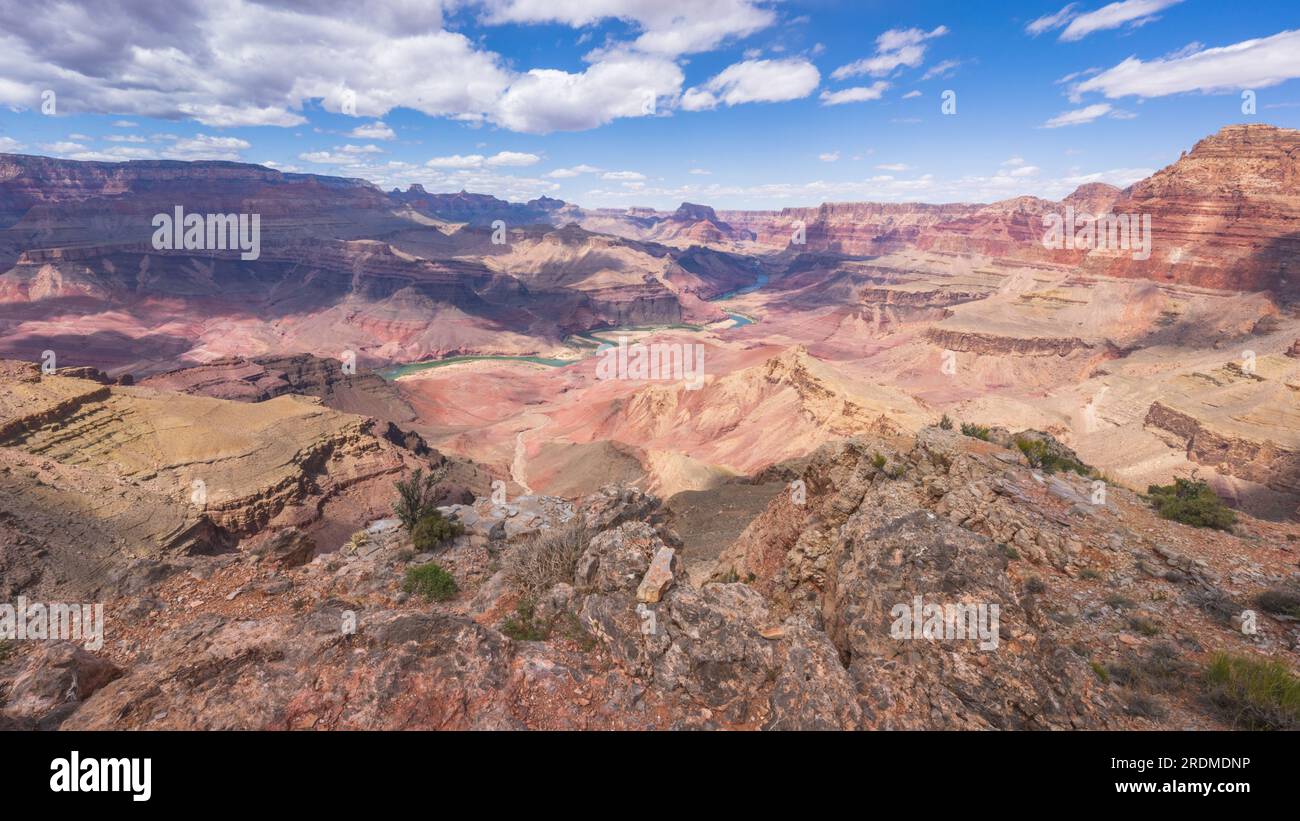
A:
[1040,455]
[1259,694]
[945,423]
[431,581]
[975,431]
[433,530]
[1192,503]
[879,461]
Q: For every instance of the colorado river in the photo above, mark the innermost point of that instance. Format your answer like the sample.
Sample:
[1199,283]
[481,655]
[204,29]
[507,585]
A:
[593,342]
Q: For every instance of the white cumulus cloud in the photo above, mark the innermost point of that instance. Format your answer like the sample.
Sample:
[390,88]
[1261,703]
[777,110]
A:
[1257,63]
[1079,116]
[1078,25]
[755,81]
[377,130]
[857,94]
[894,49]
[619,85]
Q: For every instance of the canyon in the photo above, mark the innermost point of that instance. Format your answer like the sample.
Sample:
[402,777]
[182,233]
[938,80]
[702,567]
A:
[210,445]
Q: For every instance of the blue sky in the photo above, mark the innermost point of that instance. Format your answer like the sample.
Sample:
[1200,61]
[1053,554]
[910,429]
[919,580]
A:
[734,103]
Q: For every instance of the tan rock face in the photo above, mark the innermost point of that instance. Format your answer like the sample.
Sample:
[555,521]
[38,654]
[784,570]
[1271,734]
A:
[146,474]
[659,577]
[1242,422]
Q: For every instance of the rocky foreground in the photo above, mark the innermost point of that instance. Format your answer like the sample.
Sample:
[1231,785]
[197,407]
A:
[1108,614]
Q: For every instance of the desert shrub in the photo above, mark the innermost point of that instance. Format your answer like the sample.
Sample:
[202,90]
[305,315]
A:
[1143,625]
[1063,617]
[1145,706]
[1216,603]
[570,627]
[415,497]
[1192,503]
[523,624]
[945,423]
[879,461]
[431,581]
[1040,455]
[547,557]
[1091,574]
[1035,450]
[6,650]
[1259,694]
[1160,670]
[975,431]
[1035,585]
[1100,669]
[1119,602]
[1280,601]
[1010,551]
[433,530]
[1164,667]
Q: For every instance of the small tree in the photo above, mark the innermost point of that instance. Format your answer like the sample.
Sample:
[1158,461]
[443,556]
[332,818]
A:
[415,496]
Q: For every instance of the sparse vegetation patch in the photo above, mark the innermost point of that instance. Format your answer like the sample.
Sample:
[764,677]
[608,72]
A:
[1255,693]
[1280,601]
